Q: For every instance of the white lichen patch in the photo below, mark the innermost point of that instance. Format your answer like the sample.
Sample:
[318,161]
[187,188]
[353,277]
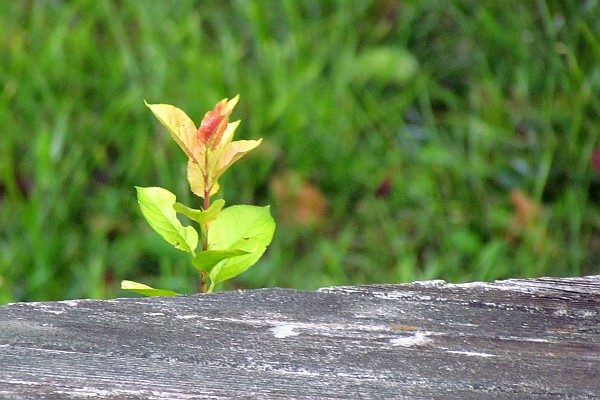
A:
[401,296]
[192,316]
[524,339]
[49,309]
[283,331]
[71,303]
[471,353]
[417,339]
[154,314]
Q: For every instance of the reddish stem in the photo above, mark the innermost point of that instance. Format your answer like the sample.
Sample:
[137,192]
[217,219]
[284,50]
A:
[206,206]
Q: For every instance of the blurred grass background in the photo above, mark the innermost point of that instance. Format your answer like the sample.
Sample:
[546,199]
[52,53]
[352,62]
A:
[403,140]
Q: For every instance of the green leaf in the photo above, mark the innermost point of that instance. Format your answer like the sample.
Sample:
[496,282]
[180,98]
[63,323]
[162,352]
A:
[207,260]
[145,289]
[201,216]
[157,206]
[249,228]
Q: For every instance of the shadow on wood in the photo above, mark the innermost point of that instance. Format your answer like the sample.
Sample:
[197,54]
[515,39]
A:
[514,339]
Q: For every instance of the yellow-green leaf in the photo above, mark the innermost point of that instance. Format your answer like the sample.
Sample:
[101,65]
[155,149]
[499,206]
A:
[145,289]
[201,216]
[180,127]
[231,153]
[208,259]
[229,132]
[196,180]
[157,205]
[250,228]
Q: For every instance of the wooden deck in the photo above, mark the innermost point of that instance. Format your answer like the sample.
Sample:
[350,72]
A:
[514,339]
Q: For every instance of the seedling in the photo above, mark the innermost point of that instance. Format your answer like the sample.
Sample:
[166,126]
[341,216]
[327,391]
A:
[232,238]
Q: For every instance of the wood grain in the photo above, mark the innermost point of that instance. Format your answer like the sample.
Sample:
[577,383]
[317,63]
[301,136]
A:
[514,339]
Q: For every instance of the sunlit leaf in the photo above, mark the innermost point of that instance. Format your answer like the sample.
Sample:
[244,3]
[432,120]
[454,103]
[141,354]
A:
[232,152]
[201,216]
[229,132]
[196,180]
[145,289]
[231,229]
[208,259]
[230,105]
[180,127]
[216,122]
[218,162]
[157,205]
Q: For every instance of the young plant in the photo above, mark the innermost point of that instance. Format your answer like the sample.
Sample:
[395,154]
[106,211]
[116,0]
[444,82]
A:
[232,238]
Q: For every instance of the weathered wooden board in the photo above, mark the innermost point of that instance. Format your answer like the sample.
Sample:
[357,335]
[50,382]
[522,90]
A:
[515,339]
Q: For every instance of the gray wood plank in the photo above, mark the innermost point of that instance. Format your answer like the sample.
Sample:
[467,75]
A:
[513,339]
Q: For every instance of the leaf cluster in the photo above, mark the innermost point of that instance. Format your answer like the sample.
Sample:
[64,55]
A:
[233,238]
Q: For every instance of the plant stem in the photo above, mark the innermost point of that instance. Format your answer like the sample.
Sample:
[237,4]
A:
[205,236]
[206,206]
[202,282]
[204,239]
